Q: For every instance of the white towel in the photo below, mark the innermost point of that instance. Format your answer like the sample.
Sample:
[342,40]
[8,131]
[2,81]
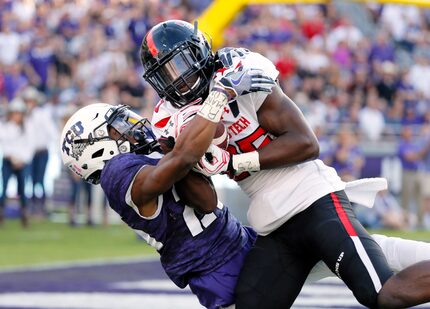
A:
[363,191]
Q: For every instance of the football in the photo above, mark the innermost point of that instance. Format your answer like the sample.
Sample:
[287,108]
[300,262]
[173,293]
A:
[184,116]
[221,136]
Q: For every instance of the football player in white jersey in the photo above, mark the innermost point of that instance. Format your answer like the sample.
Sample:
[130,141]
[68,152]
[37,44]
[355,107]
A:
[298,204]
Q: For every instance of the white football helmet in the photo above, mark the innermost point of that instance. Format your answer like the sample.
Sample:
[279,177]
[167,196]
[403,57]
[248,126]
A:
[88,142]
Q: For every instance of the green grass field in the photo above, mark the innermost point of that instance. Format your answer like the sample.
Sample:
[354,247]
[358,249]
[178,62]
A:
[47,242]
[415,235]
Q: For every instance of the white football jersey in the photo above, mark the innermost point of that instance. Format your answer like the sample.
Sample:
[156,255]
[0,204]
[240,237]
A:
[276,194]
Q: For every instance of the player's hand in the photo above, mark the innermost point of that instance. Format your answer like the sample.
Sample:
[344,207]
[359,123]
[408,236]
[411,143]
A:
[242,82]
[166,144]
[215,161]
[230,56]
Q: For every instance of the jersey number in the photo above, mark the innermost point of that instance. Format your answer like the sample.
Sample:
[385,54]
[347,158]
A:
[196,225]
[256,140]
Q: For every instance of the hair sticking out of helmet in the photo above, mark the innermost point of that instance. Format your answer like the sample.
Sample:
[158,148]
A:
[178,61]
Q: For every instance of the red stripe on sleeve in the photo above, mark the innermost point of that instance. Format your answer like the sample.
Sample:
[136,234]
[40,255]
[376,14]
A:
[343,216]
[162,123]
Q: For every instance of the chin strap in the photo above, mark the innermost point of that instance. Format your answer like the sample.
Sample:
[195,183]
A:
[145,148]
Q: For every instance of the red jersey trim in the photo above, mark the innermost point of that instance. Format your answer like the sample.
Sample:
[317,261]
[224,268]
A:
[162,123]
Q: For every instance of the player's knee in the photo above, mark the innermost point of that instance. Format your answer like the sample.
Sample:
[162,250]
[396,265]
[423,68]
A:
[389,301]
[391,296]
[367,297]
[245,296]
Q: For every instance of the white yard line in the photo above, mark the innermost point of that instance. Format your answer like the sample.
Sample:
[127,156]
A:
[85,263]
[98,301]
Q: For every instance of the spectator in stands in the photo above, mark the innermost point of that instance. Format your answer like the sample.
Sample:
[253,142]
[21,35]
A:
[286,63]
[342,55]
[411,115]
[345,31]
[382,50]
[396,18]
[78,187]
[132,90]
[10,44]
[45,133]
[313,59]
[16,143]
[425,175]
[14,80]
[371,118]
[388,83]
[327,146]
[40,68]
[394,117]
[348,159]
[138,25]
[408,150]
[419,74]
[313,25]
[386,213]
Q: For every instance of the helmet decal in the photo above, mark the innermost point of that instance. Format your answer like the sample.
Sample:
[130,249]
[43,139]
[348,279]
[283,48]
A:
[75,130]
[151,46]
[78,149]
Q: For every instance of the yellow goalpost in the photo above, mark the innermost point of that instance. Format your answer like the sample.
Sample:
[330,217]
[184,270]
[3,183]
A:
[222,12]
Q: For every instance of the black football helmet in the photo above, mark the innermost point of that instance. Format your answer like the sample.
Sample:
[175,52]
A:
[178,61]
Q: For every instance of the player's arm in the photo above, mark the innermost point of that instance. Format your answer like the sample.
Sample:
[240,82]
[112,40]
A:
[190,146]
[194,140]
[197,191]
[295,142]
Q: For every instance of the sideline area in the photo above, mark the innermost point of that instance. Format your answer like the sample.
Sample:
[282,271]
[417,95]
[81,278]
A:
[45,242]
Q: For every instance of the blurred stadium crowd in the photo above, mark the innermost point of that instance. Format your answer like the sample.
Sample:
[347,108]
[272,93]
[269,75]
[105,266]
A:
[359,72]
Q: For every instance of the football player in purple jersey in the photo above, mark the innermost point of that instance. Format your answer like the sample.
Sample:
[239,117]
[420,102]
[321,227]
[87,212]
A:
[199,242]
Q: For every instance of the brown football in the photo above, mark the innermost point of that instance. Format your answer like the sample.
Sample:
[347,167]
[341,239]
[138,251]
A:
[221,136]
[184,116]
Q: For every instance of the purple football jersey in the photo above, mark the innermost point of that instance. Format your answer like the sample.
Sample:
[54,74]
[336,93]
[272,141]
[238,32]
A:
[189,243]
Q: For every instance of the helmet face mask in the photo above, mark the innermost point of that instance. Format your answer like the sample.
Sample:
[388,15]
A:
[87,142]
[178,62]
[128,128]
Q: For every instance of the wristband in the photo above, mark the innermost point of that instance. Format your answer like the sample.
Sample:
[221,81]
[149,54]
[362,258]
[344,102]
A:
[246,162]
[213,107]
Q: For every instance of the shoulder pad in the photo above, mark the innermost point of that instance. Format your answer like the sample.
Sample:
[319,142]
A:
[162,113]
[235,58]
